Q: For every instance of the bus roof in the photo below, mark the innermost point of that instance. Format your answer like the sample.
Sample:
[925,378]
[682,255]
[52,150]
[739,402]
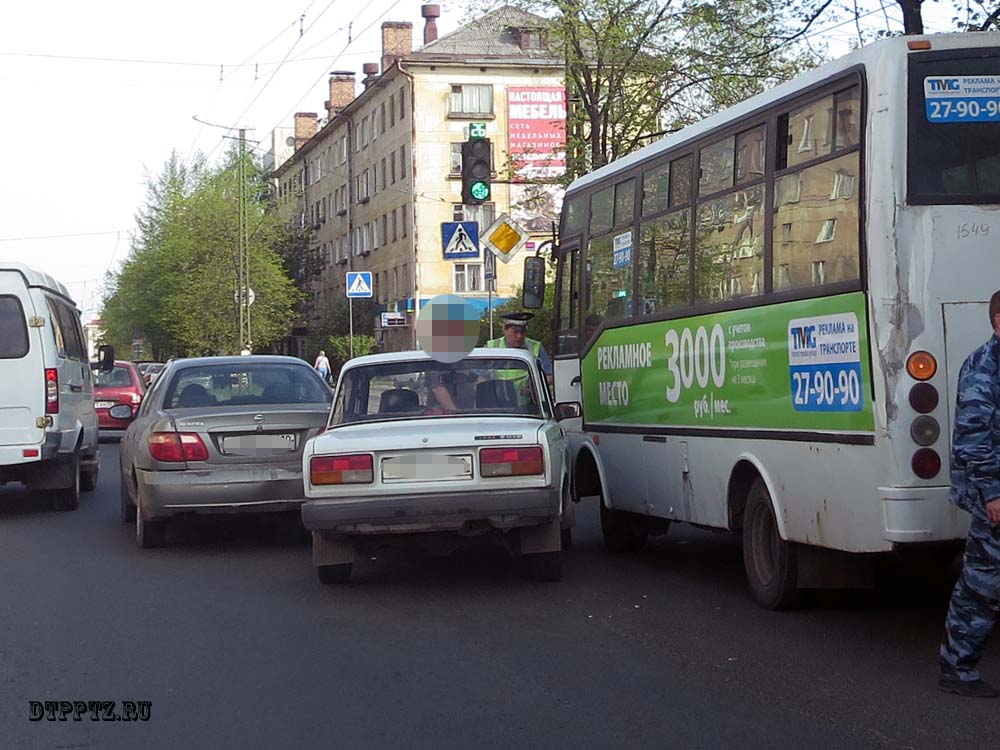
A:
[865,55]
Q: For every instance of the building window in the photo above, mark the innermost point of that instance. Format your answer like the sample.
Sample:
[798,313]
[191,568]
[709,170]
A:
[392,110]
[843,185]
[384,183]
[402,103]
[402,162]
[818,272]
[385,225]
[392,166]
[827,231]
[456,158]
[457,212]
[403,219]
[394,235]
[786,232]
[531,39]
[381,117]
[468,277]
[484,213]
[471,99]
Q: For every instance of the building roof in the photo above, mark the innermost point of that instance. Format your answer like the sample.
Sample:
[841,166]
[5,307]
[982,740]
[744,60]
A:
[493,36]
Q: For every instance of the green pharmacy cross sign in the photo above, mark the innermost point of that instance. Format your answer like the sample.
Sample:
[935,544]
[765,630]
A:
[480,190]
[477,130]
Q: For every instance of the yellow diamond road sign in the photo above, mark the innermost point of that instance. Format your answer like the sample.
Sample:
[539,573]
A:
[504,238]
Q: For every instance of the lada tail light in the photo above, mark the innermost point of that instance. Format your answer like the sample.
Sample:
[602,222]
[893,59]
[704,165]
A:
[354,469]
[511,462]
[51,390]
[172,447]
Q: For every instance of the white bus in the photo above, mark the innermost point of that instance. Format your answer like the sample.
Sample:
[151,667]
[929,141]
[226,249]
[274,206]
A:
[763,315]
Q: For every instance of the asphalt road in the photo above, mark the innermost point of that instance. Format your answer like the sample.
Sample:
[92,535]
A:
[235,644]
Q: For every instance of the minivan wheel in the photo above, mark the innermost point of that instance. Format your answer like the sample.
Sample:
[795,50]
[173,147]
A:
[88,478]
[334,573]
[68,498]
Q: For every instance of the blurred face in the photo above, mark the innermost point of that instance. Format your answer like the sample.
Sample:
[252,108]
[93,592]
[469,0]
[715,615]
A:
[514,336]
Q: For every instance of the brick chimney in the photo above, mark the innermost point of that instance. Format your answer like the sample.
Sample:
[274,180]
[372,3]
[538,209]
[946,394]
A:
[430,14]
[371,73]
[306,125]
[341,92]
[397,42]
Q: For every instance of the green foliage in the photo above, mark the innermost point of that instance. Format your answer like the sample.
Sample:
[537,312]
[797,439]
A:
[340,348]
[177,289]
[333,322]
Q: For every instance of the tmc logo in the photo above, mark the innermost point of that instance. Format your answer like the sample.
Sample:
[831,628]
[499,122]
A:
[944,84]
[803,337]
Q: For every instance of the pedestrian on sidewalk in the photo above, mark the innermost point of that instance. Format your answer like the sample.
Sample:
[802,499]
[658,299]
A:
[975,487]
[322,366]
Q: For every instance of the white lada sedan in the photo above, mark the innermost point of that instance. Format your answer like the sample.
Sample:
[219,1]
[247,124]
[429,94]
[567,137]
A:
[421,451]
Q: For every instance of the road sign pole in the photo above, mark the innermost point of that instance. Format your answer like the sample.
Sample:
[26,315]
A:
[489,302]
[350,315]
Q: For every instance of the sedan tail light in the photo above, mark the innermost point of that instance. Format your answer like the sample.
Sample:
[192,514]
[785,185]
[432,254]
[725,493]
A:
[511,462]
[172,447]
[354,469]
[51,390]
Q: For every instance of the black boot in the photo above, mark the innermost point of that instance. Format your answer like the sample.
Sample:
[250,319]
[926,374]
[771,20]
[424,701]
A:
[968,688]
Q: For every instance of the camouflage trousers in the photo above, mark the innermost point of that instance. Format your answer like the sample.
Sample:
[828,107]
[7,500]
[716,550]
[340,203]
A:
[975,602]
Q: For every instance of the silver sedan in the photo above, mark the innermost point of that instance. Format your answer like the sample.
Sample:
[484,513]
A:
[220,435]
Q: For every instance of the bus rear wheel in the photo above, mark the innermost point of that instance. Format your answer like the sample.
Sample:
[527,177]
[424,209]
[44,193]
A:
[622,535]
[769,560]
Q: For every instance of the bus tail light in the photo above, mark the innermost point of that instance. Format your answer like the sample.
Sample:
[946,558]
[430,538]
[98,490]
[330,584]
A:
[354,469]
[926,463]
[925,430]
[174,447]
[511,462]
[921,365]
[51,390]
[924,398]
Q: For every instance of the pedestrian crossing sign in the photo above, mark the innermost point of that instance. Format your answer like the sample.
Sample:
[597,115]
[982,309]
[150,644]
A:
[460,239]
[359,284]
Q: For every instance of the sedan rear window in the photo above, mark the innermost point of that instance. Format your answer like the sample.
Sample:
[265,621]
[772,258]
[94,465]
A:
[119,377]
[13,328]
[261,384]
[427,388]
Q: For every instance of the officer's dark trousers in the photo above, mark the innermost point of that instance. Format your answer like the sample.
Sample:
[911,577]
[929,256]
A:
[975,602]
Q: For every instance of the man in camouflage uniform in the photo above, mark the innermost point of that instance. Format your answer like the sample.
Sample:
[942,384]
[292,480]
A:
[975,487]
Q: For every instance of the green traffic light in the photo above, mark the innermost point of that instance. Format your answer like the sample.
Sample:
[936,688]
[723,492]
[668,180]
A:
[480,191]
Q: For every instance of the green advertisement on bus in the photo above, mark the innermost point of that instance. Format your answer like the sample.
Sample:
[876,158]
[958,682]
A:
[791,366]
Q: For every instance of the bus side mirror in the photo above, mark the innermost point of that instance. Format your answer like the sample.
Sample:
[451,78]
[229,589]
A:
[533,289]
[106,355]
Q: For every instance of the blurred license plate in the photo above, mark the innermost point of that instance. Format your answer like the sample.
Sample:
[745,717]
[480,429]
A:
[257,445]
[103,404]
[426,468]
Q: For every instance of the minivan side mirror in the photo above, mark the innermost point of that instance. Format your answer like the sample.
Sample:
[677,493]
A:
[533,288]
[106,354]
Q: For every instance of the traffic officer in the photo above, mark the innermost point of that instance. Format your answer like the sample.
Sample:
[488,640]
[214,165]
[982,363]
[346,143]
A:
[975,487]
[514,325]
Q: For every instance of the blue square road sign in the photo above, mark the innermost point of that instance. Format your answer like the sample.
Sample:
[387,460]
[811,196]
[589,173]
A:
[359,284]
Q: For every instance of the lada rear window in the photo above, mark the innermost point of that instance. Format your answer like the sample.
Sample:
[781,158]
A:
[427,388]
[13,328]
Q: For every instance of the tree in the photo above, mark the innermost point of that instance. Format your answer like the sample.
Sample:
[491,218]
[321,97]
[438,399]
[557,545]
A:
[178,288]
[969,15]
[638,69]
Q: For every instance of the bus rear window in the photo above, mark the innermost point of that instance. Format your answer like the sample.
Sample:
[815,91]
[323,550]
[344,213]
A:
[954,129]
[13,328]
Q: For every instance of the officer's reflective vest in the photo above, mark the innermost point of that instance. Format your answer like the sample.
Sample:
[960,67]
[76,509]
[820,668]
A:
[519,376]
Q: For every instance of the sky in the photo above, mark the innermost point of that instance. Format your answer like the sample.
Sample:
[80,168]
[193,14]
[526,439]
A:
[95,96]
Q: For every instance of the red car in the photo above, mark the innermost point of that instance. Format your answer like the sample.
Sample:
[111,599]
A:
[121,385]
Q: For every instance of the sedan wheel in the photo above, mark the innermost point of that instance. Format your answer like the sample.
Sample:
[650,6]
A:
[148,532]
[127,506]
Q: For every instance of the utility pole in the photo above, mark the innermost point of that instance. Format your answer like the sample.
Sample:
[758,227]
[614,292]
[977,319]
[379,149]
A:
[243,292]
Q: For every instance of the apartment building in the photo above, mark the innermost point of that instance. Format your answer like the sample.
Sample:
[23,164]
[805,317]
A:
[381,174]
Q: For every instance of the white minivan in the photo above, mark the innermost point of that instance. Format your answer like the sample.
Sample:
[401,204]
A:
[48,424]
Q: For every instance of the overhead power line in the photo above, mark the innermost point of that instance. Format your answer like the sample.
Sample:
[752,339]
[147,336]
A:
[61,236]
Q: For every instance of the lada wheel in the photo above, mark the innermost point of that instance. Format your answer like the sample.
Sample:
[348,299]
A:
[334,573]
[622,534]
[769,560]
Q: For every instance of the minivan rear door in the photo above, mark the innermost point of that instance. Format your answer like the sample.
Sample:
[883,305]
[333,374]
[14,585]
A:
[22,370]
